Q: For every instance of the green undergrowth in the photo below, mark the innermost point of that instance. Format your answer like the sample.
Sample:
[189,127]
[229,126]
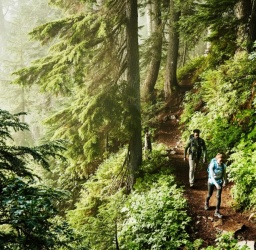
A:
[222,106]
[191,70]
[152,216]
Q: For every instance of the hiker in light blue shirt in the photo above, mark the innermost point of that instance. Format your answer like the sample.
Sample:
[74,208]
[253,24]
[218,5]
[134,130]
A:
[216,178]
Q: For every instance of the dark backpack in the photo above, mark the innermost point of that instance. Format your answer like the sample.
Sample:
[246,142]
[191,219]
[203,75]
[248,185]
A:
[196,147]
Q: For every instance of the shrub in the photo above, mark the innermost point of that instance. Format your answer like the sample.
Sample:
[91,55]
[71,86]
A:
[191,69]
[155,219]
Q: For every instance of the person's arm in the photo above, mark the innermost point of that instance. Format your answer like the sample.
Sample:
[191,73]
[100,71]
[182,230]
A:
[186,149]
[211,172]
[204,153]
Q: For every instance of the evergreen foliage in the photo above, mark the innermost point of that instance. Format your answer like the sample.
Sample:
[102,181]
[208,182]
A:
[97,214]
[87,66]
[90,134]
[219,18]
[87,63]
[27,209]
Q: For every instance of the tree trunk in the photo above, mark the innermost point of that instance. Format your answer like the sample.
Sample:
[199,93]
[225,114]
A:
[172,52]
[246,13]
[133,79]
[252,25]
[154,66]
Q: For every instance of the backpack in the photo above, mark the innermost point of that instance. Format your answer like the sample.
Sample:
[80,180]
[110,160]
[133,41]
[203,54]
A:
[196,147]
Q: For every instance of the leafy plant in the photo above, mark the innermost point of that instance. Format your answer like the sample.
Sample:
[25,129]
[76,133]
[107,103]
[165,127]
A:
[224,110]
[156,218]
[157,160]
[242,172]
[191,70]
[226,241]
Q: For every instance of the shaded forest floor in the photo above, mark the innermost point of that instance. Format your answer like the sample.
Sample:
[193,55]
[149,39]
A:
[204,224]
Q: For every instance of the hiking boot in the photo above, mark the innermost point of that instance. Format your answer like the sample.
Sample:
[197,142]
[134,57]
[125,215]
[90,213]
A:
[206,206]
[217,214]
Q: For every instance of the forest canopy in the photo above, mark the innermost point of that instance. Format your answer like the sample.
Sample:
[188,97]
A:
[92,76]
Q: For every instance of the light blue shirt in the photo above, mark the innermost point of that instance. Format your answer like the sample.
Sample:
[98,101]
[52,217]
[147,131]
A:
[216,172]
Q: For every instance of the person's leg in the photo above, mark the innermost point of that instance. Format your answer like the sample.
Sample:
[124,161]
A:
[209,194]
[196,163]
[196,167]
[218,196]
[191,170]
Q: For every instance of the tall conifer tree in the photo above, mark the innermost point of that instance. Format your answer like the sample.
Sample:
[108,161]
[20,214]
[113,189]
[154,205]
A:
[133,80]
[171,83]
[154,50]
[87,64]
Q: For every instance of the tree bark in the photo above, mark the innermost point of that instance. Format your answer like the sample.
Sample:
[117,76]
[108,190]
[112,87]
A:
[154,66]
[133,79]
[172,52]
[246,13]
[252,25]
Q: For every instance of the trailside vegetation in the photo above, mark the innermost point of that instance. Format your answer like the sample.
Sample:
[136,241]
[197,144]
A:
[117,201]
[152,216]
[155,217]
[28,210]
[223,103]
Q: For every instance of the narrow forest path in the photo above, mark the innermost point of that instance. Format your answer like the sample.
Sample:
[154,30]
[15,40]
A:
[205,225]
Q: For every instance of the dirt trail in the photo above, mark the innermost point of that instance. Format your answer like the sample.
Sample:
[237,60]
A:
[205,225]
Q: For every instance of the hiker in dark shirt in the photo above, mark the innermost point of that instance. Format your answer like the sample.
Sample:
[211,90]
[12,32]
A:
[195,148]
[216,178]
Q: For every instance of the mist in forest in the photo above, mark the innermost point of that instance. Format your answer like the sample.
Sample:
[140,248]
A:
[17,50]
